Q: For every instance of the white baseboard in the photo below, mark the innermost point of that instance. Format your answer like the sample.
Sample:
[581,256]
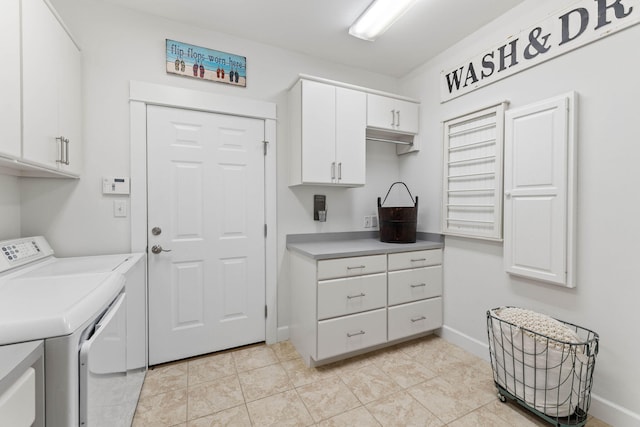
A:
[283,333]
[601,408]
[612,414]
[472,345]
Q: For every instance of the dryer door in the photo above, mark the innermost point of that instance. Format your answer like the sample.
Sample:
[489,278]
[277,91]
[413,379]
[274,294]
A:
[103,371]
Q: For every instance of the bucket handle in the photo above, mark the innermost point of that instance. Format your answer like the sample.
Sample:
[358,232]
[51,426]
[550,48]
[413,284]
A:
[415,201]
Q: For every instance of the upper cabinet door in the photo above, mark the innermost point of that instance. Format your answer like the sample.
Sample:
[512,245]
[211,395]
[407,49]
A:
[539,188]
[70,104]
[351,150]
[10,78]
[394,114]
[327,130]
[51,79]
[41,33]
[318,132]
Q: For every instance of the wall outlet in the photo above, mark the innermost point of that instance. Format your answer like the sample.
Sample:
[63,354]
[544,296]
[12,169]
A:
[374,221]
[367,221]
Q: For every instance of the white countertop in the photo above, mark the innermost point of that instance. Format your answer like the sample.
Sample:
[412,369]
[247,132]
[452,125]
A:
[341,248]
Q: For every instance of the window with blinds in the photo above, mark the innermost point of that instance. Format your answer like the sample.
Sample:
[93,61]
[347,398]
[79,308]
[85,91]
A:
[472,194]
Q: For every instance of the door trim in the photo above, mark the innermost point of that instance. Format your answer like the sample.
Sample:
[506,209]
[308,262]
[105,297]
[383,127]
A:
[142,94]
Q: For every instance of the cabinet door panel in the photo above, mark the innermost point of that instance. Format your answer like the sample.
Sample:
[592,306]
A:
[70,102]
[405,260]
[380,111]
[414,318]
[407,116]
[538,195]
[351,115]
[352,295]
[414,284]
[41,33]
[10,78]
[318,132]
[350,333]
[354,266]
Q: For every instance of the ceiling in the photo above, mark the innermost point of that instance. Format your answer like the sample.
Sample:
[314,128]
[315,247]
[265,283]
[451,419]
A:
[319,27]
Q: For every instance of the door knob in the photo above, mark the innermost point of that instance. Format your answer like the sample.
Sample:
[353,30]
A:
[156,249]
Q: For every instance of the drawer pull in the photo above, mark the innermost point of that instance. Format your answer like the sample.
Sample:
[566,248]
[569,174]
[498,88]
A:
[419,285]
[418,260]
[355,296]
[355,334]
[417,319]
[356,267]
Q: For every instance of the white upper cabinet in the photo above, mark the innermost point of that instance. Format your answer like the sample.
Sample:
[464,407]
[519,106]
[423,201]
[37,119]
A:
[327,134]
[51,103]
[539,190]
[10,78]
[393,114]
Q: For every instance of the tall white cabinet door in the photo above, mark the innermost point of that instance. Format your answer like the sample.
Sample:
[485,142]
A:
[539,186]
[351,120]
[70,102]
[318,132]
[10,78]
[41,33]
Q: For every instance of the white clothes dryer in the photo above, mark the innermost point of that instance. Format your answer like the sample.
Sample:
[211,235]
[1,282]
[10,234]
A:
[91,314]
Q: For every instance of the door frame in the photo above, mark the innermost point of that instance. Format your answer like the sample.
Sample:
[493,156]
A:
[142,94]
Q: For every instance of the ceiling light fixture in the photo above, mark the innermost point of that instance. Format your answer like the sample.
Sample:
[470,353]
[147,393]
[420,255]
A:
[378,17]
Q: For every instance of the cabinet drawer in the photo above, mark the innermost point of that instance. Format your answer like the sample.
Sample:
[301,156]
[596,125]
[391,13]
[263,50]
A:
[405,260]
[414,318]
[414,284]
[351,295]
[347,267]
[350,333]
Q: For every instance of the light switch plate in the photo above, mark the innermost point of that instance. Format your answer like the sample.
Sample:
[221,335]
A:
[120,208]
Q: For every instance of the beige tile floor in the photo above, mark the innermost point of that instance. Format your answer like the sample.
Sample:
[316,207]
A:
[424,382]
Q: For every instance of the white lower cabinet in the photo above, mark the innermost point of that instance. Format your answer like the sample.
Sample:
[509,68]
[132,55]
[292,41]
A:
[344,305]
[351,295]
[350,333]
[414,318]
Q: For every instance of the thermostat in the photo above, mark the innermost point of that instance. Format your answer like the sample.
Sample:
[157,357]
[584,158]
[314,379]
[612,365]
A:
[115,185]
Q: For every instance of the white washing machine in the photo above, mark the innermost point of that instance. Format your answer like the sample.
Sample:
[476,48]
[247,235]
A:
[91,314]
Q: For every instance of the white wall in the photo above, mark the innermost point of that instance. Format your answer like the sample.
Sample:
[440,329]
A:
[605,76]
[120,45]
[9,207]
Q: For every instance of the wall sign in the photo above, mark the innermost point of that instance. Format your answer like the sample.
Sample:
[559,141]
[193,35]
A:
[206,64]
[582,23]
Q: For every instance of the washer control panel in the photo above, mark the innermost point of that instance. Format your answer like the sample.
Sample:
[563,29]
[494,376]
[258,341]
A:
[17,252]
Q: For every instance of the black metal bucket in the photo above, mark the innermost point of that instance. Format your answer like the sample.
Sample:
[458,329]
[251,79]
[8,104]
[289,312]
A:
[398,224]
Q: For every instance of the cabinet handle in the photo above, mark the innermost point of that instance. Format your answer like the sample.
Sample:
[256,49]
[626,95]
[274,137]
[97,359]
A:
[355,296]
[393,118]
[417,319]
[419,285]
[356,267]
[339,171]
[64,150]
[398,120]
[333,170]
[355,333]
[418,260]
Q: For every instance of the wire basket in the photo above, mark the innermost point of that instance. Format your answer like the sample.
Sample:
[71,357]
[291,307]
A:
[551,377]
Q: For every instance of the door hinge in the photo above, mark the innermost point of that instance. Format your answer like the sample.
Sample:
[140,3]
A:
[265,143]
[265,311]
[265,230]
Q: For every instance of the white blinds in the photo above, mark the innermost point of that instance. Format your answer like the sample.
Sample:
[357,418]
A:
[472,194]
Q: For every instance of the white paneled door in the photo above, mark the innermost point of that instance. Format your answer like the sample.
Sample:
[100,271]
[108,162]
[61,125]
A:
[539,189]
[206,232]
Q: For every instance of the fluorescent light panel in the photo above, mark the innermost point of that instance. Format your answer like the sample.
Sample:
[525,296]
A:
[378,17]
